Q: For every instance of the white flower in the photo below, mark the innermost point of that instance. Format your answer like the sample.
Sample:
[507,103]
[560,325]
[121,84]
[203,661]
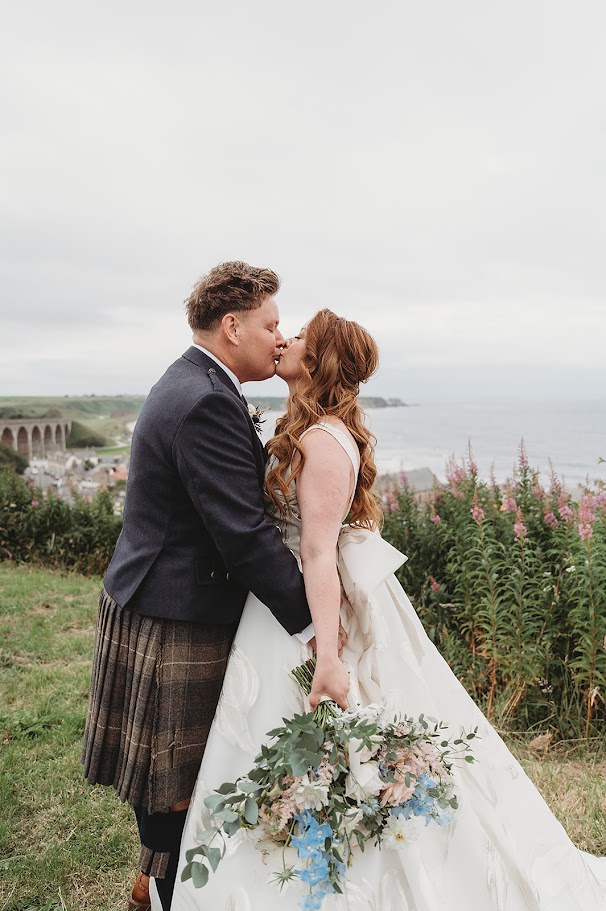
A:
[311,795]
[367,713]
[363,780]
[353,820]
[400,832]
[570,569]
[252,410]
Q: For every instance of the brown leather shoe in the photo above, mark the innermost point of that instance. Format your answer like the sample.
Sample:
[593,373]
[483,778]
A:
[140,900]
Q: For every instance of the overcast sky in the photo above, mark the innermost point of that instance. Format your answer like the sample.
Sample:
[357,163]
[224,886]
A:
[435,170]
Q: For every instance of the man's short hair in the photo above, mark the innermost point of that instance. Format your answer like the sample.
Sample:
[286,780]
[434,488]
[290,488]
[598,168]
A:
[228,288]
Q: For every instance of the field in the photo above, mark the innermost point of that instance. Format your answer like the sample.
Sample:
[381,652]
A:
[65,846]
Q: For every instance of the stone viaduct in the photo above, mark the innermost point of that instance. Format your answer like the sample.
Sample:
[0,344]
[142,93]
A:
[35,438]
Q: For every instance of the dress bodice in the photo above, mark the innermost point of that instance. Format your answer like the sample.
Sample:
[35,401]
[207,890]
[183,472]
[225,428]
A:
[289,522]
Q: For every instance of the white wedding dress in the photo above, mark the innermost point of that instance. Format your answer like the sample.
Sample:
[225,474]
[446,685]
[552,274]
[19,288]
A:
[504,850]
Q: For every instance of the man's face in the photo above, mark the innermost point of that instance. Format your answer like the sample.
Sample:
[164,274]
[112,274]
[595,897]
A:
[260,341]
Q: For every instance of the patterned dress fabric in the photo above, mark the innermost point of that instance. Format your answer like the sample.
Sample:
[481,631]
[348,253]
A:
[504,851]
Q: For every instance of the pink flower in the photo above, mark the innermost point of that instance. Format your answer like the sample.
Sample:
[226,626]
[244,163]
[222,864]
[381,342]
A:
[435,518]
[586,516]
[519,527]
[435,586]
[539,491]
[35,503]
[477,513]
[551,520]
[563,508]
[522,458]
[398,791]
[403,479]
[456,476]
[509,505]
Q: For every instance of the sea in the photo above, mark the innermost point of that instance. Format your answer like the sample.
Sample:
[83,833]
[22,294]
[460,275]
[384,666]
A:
[565,437]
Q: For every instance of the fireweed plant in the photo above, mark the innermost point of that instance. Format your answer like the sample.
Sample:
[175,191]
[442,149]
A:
[510,583]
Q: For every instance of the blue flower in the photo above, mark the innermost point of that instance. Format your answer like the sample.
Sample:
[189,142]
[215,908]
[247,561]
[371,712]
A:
[316,872]
[312,902]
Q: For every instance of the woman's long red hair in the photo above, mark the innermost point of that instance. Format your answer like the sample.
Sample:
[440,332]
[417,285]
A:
[339,355]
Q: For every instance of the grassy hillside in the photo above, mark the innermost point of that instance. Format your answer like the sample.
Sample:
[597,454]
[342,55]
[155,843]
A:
[65,846]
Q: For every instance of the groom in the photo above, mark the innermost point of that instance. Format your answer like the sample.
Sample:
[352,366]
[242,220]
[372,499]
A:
[193,543]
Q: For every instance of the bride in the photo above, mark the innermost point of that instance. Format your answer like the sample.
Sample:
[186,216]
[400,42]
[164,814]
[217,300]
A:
[504,850]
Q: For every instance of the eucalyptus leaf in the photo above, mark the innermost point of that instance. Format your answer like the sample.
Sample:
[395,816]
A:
[251,811]
[199,874]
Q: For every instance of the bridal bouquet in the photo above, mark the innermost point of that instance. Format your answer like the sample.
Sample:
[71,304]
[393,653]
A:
[328,783]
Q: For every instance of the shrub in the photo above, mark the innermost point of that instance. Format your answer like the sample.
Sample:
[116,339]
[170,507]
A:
[48,530]
[510,583]
[81,436]
[12,459]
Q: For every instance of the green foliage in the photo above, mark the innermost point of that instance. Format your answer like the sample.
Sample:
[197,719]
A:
[510,583]
[12,459]
[81,436]
[48,530]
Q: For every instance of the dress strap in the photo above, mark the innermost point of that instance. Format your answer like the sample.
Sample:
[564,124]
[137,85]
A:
[343,439]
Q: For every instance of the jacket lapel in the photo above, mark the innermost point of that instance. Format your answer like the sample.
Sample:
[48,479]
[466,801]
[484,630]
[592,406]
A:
[202,360]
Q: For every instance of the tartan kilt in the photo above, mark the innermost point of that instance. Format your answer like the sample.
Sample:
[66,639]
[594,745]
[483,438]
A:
[154,691]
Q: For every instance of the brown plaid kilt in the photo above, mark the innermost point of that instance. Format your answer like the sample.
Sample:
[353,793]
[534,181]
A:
[154,691]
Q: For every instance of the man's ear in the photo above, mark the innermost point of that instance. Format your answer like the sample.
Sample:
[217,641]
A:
[230,328]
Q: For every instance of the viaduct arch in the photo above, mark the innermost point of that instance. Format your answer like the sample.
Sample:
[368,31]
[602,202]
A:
[35,438]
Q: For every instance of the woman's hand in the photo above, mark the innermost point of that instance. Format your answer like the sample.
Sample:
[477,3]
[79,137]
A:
[330,679]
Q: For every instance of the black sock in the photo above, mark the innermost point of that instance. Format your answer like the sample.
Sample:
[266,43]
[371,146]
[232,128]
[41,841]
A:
[162,832]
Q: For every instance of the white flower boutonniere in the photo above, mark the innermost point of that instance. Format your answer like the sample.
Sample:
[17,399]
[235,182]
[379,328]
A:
[256,416]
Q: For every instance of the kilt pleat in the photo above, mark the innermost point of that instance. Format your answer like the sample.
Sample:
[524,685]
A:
[154,690]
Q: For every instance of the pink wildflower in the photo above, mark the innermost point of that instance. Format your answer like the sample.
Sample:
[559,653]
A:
[586,516]
[472,466]
[435,518]
[456,476]
[563,508]
[393,506]
[435,586]
[539,491]
[522,458]
[519,527]
[403,479]
[35,503]
[551,520]
[477,513]
[509,505]
[600,498]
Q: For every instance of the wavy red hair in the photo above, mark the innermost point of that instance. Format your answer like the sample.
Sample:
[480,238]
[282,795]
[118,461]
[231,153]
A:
[339,355]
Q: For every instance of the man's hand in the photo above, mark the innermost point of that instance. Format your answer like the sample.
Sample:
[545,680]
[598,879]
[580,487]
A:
[342,641]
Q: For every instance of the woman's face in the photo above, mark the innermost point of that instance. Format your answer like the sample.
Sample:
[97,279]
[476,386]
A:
[289,365]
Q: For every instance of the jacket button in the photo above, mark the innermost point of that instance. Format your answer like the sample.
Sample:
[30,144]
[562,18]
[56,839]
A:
[212,575]
[227,577]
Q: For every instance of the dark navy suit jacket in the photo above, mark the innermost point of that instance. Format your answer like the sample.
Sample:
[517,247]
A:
[194,540]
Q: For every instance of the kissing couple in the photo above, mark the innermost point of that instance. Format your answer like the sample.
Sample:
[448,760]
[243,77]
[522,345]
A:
[229,572]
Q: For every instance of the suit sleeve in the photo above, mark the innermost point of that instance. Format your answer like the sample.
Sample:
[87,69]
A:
[214,455]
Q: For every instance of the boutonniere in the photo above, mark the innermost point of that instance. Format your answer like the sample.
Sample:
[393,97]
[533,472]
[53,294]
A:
[256,416]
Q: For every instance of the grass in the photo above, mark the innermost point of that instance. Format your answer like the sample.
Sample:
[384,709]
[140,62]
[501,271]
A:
[65,846]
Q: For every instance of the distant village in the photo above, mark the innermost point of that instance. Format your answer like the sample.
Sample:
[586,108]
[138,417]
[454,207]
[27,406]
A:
[82,472]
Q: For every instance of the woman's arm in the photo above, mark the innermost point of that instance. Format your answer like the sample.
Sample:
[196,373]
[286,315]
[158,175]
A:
[323,492]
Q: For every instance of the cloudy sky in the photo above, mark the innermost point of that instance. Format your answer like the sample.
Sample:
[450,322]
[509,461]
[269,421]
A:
[436,170]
